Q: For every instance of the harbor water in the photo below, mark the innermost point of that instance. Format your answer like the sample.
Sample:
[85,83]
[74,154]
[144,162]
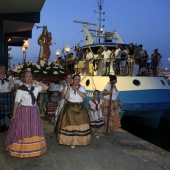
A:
[158,136]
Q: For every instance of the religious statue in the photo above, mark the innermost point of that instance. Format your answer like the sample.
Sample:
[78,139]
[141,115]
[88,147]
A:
[44,40]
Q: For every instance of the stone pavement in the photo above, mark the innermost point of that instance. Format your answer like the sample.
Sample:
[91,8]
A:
[119,150]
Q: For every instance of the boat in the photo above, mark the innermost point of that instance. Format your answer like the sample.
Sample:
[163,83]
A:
[146,99]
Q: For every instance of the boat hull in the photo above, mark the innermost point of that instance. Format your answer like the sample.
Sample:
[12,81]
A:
[144,98]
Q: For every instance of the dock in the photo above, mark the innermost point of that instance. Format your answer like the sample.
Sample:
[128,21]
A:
[118,150]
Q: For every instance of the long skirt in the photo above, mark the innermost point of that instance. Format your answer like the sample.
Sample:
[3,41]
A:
[96,119]
[73,125]
[114,119]
[60,106]
[6,109]
[25,137]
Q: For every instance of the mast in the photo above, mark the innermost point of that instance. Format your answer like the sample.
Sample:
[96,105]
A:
[99,18]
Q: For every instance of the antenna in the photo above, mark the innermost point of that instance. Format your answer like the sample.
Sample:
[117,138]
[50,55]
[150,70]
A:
[100,13]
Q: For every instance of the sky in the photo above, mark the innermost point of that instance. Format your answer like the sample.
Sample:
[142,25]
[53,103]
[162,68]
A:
[143,22]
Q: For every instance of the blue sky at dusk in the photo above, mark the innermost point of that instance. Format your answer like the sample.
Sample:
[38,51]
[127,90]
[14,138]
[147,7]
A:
[143,22]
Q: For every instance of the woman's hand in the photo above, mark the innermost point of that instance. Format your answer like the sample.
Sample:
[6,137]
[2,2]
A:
[110,91]
[13,119]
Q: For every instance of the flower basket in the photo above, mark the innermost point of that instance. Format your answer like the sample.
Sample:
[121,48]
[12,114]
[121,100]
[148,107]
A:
[55,79]
[45,72]
[48,79]
[37,77]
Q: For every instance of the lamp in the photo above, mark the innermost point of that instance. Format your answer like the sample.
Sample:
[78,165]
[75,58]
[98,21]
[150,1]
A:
[57,53]
[24,54]
[67,49]
[26,44]
[24,49]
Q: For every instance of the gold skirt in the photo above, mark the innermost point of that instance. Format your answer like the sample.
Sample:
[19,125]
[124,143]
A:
[73,125]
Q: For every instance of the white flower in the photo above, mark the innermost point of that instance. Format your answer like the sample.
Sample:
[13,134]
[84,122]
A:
[49,63]
[61,71]
[55,72]
[38,66]
[42,62]
[55,67]
[44,72]
[36,71]
[28,69]
[56,64]
[29,64]
[48,68]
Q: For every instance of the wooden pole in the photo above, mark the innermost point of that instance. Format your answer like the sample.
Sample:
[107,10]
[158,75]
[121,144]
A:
[109,110]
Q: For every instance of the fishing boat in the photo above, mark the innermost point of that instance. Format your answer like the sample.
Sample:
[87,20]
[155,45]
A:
[146,99]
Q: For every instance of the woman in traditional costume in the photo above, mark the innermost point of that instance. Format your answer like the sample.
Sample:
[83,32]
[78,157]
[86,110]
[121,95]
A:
[73,125]
[63,90]
[25,137]
[111,105]
[6,99]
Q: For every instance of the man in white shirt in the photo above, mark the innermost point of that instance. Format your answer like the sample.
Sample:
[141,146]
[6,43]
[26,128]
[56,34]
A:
[107,60]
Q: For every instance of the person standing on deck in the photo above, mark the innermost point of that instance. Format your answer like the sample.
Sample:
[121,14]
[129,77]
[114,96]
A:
[138,58]
[117,59]
[130,58]
[107,60]
[89,66]
[81,61]
[155,61]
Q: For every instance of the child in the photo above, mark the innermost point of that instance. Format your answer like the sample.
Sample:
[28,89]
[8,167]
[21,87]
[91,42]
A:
[95,112]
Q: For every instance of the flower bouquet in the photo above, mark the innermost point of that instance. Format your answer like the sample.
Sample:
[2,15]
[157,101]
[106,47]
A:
[47,72]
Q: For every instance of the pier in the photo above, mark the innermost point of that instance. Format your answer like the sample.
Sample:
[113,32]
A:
[119,150]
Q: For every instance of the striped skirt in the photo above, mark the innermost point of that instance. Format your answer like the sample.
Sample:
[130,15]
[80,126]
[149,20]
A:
[96,119]
[25,137]
[73,125]
[114,119]
[6,109]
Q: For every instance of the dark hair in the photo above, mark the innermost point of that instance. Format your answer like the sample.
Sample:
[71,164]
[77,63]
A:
[75,75]
[68,75]
[112,77]
[25,73]
[96,91]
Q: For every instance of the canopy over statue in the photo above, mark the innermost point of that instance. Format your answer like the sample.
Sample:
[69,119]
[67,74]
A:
[44,40]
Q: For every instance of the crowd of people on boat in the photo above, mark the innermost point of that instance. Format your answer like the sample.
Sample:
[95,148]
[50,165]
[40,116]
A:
[121,58]
[75,122]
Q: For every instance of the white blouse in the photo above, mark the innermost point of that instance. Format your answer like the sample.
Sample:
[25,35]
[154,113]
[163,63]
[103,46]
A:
[74,96]
[24,98]
[114,92]
[7,86]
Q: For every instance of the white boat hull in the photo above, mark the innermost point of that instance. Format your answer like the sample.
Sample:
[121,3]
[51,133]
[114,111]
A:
[141,96]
